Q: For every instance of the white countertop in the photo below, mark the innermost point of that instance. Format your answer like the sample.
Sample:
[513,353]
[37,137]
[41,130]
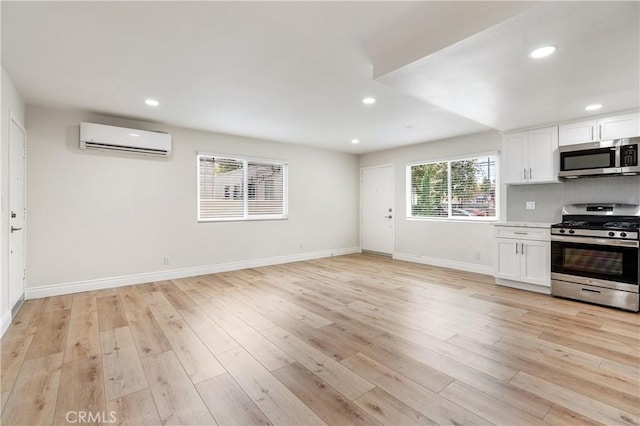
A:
[525,224]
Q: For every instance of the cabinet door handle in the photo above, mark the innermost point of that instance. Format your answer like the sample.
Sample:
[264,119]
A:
[522,248]
[516,248]
[525,173]
[600,136]
[530,174]
[591,132]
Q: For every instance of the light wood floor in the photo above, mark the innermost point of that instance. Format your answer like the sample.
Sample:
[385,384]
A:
[348,340]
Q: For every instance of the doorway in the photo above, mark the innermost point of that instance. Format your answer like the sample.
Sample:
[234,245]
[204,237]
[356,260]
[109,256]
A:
[377,209]
[17,212]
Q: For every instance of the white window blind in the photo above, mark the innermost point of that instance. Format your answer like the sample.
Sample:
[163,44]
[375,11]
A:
[238,189]
[463,189]
[267,183]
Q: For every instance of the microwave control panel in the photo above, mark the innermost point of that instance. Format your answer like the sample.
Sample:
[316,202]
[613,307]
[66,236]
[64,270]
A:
[629,155]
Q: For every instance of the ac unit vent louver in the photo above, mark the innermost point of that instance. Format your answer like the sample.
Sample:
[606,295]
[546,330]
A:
[111,138]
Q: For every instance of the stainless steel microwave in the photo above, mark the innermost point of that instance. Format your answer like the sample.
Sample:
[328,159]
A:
[614,157]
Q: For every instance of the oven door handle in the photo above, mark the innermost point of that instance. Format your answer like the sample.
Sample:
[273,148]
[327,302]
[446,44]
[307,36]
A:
[596,241]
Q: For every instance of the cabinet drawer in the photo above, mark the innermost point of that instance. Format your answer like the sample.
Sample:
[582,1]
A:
[601,296]
[522,233]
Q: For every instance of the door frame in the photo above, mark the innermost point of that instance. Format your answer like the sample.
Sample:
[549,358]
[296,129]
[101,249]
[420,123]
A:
[393,196]
[14,119]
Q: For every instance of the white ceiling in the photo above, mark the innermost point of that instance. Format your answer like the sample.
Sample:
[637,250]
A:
[297,71]
[488,77]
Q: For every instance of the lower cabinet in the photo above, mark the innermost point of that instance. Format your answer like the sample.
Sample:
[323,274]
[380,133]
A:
[523,256]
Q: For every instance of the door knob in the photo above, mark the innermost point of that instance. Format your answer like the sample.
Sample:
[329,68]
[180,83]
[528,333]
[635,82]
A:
[14,229]
[388,217]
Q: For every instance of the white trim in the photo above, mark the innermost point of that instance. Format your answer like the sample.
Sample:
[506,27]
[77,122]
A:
[460,157]
[524,286]
[378,166]
[445,263]
[6,322]
[104,283]
[240,157]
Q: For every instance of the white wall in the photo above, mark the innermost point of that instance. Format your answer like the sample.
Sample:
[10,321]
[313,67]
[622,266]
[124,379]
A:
[99,216]
[12,103]
[445,243]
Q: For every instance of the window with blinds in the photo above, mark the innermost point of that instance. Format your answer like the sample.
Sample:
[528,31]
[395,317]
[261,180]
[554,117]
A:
[461,189]
[239,189]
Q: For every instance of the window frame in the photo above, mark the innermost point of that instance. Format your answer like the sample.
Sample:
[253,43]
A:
[450,217]
[245,193]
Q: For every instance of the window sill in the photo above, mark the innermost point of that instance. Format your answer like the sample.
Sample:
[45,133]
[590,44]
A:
[243,219]
[465,219]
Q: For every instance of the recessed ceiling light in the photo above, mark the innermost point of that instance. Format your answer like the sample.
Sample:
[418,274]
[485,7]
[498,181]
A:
[368,101]
[593,107]
[542,52]
[152,102]
[354,141]
[134,135]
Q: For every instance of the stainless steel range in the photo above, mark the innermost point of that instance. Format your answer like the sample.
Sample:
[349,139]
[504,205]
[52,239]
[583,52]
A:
[595,255]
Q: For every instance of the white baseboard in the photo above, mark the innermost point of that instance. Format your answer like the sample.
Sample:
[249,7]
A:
[523,286]
[6,322]
[445,263]
[112,282]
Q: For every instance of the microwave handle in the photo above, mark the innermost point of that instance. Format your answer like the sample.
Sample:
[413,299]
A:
[618,157]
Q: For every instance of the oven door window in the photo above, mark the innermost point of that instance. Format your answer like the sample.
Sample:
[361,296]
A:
[600,158]
[618,264]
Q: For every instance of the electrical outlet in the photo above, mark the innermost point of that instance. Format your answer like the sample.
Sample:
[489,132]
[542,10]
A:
[477,255]
[166,260]
[531,205]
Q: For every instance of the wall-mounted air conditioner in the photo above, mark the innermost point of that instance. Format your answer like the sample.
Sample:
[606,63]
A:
[111,138]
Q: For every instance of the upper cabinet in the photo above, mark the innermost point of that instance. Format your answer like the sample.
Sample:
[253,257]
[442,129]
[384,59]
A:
[581,132]
[620,126]
[616,127]
[531,157]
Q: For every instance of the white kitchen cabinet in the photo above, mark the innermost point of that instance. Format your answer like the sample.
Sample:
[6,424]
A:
[615,127]
[531,157]
[523,257]
[620,126]
[514,150]
[575,133]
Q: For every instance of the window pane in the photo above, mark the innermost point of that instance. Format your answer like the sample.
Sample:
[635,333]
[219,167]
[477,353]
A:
[266,193]
[466,188]
[429,190]
[473,187]
[221,184]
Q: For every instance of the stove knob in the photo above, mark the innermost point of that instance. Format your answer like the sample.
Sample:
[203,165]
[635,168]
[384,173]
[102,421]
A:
[562,231]
[611,234]
[623,234]
[571,231]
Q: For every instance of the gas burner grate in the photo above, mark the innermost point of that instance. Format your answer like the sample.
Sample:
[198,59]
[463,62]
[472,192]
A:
[621,225]
[574,223]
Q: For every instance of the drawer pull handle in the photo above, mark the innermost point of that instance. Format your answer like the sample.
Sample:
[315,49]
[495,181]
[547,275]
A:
[588,290]
[521,233]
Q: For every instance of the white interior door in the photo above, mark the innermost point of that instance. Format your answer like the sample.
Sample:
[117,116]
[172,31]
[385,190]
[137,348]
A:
[377,209]
[17,157]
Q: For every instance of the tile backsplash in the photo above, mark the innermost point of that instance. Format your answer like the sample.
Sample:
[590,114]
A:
[550,198]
